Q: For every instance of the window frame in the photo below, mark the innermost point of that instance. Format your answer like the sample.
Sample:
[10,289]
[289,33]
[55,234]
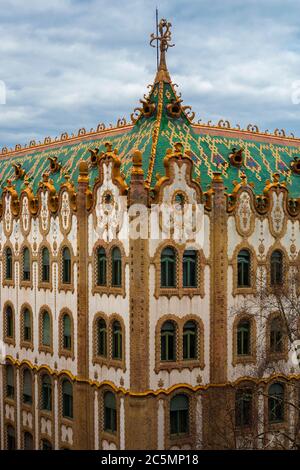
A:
[187,262]
[28,401]
[178,415]
[244,396]
[26,265]
[110,414]
[168,262]
[45,267]
[273,406]
[46,393]
[165,336]
[243,265]
[67,406]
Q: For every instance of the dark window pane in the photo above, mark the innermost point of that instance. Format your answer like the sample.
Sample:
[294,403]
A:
[27,387]
[9,323]
[110,413]
[46,393]
[276,403]
[11,438]
[244,268]
[190,268]
[8,273]
[116,267]
[27,325]
[26,265]
[276,268]
[67,336]
[276,336]
[66,266]
[102,338]
[28,441]
[46,445]
[10,382]
[168,342]
[67,395]
[243,407]
[45,265]
[101,267]
[179,415]
[46,329]
[116,340]
[168,268]
[189,340]
[243,338]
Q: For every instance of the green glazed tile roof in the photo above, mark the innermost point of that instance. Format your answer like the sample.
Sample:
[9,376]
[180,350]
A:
[209,151]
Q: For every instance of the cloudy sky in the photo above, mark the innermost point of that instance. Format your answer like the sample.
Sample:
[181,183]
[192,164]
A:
[68,64]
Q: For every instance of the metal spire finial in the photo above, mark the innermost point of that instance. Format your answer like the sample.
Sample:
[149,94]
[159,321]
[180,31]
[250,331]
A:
[164,37]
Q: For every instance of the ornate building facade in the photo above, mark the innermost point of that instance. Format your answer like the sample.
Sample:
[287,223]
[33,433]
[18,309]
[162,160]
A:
[114,342]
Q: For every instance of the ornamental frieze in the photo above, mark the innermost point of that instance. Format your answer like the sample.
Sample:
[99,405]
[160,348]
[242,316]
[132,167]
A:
[277,218]
[245,217]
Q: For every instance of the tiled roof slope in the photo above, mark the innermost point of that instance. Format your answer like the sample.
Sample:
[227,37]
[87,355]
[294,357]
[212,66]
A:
[209,148]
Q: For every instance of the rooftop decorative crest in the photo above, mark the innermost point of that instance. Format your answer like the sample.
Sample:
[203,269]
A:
[164,37]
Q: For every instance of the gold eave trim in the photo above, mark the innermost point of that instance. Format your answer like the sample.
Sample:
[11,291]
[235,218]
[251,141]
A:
[164,391]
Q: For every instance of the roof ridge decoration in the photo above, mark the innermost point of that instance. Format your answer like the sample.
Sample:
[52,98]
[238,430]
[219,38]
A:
[252,128]
[65,137]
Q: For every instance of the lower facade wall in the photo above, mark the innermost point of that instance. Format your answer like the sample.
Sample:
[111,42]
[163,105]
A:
[141,421]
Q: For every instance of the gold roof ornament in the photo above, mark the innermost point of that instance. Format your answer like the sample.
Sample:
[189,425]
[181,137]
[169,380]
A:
[164,38]
[137,162]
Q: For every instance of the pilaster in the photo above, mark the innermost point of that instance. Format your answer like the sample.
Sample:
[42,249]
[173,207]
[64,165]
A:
[83,409]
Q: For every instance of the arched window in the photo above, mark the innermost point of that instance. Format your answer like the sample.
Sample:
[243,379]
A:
[276,403]
[276,336]
[243,407]
[116,340]
[168,341]
[45,265]
[66,265]
[276,268]
[67,399]
[27,387]
[46,445]
[190,340]
[11,438]
[10,381]
[168,268]
[46,398]
[101,266]
[27,331]
[67,332]
[190,268]
[244,338]
[102,337]
[26,264]
[110,412]
[244,263]
[28,441]
[8,263]
[9,322]
[116,267]
[46,328]
[179,414]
